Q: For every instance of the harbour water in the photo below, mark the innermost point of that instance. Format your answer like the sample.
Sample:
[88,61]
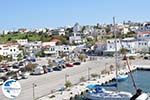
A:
[141,79]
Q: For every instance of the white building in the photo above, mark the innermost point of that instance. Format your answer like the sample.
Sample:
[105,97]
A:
[55,50]
[33,47]
[77,28]
[130,44]
[111,45]
[99,48]
[144,35]
[61,31]
[126,29]
[143,46]
[22,42]
[9,50]
[76,38]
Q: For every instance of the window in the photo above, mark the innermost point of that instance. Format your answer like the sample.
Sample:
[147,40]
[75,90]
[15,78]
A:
[110,46]
[145,43]
[139,43]
[11,50]
[108,41]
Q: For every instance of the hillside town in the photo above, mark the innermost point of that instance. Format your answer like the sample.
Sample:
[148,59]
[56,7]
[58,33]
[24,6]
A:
[96,40]
[26,53]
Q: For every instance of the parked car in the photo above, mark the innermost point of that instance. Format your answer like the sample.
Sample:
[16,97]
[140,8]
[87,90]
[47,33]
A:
[15,66]
[38,71]
[1,81]
[57,69]
[2,72]
[69,65]
[25,75]
[77,63]
[49,69]
[16,77]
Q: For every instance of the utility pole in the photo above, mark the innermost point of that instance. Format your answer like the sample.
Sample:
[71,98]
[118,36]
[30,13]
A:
[33,86]
[66,77]
[89,73]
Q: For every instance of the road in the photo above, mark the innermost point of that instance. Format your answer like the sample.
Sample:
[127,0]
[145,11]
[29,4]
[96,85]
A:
[55,80]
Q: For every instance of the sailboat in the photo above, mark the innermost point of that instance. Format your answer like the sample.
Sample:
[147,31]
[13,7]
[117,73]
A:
[97,92]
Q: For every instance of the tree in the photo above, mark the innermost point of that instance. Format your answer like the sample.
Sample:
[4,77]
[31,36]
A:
[68,84]
[40,54]
[1,58]
[50,63]
[123,51]
[19,57]
[82,79]
[9,58]
[81,57]
[30,66]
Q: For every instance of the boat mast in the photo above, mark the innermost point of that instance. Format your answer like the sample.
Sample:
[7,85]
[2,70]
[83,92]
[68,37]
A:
[116,53]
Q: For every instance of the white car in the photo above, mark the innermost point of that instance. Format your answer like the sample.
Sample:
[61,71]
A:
[25,75]
[1,81]
[38,71]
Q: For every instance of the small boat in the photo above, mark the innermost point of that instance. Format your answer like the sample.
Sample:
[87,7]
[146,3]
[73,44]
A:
[96,92]
[122,77]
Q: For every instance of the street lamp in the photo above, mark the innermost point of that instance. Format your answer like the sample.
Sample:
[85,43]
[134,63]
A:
[66,76]
[106,65]
[33,86]
[89,73]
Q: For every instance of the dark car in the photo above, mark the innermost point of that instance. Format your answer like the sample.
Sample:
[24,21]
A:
[49,69]
[77,63]
[57,69]
[69,65]
[15,66]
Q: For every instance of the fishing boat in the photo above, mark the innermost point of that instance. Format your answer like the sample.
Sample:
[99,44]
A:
[99,93]
[122,77]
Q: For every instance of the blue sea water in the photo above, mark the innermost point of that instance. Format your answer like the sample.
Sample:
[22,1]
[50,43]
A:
[142,81]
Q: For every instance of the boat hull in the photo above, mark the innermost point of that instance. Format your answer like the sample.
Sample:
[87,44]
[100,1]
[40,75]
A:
[121,78]
[98,97]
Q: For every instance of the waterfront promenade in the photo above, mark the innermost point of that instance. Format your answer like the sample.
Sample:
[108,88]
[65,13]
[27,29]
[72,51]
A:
[55,80]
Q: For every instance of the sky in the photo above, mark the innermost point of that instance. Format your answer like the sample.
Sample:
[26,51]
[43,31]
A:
[56,13]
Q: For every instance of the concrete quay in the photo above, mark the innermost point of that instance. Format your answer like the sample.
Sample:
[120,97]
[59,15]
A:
[77,90]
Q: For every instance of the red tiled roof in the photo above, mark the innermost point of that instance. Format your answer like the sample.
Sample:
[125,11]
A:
[55,40]
[144,32]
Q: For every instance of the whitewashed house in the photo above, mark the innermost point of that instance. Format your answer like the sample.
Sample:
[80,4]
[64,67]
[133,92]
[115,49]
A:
[22,42]
[143,35]
[33,47]
[55,50]
[10,50]
[143,41]
[76,38]
[126,29]
[99,48]
[110,46]
[130,44]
